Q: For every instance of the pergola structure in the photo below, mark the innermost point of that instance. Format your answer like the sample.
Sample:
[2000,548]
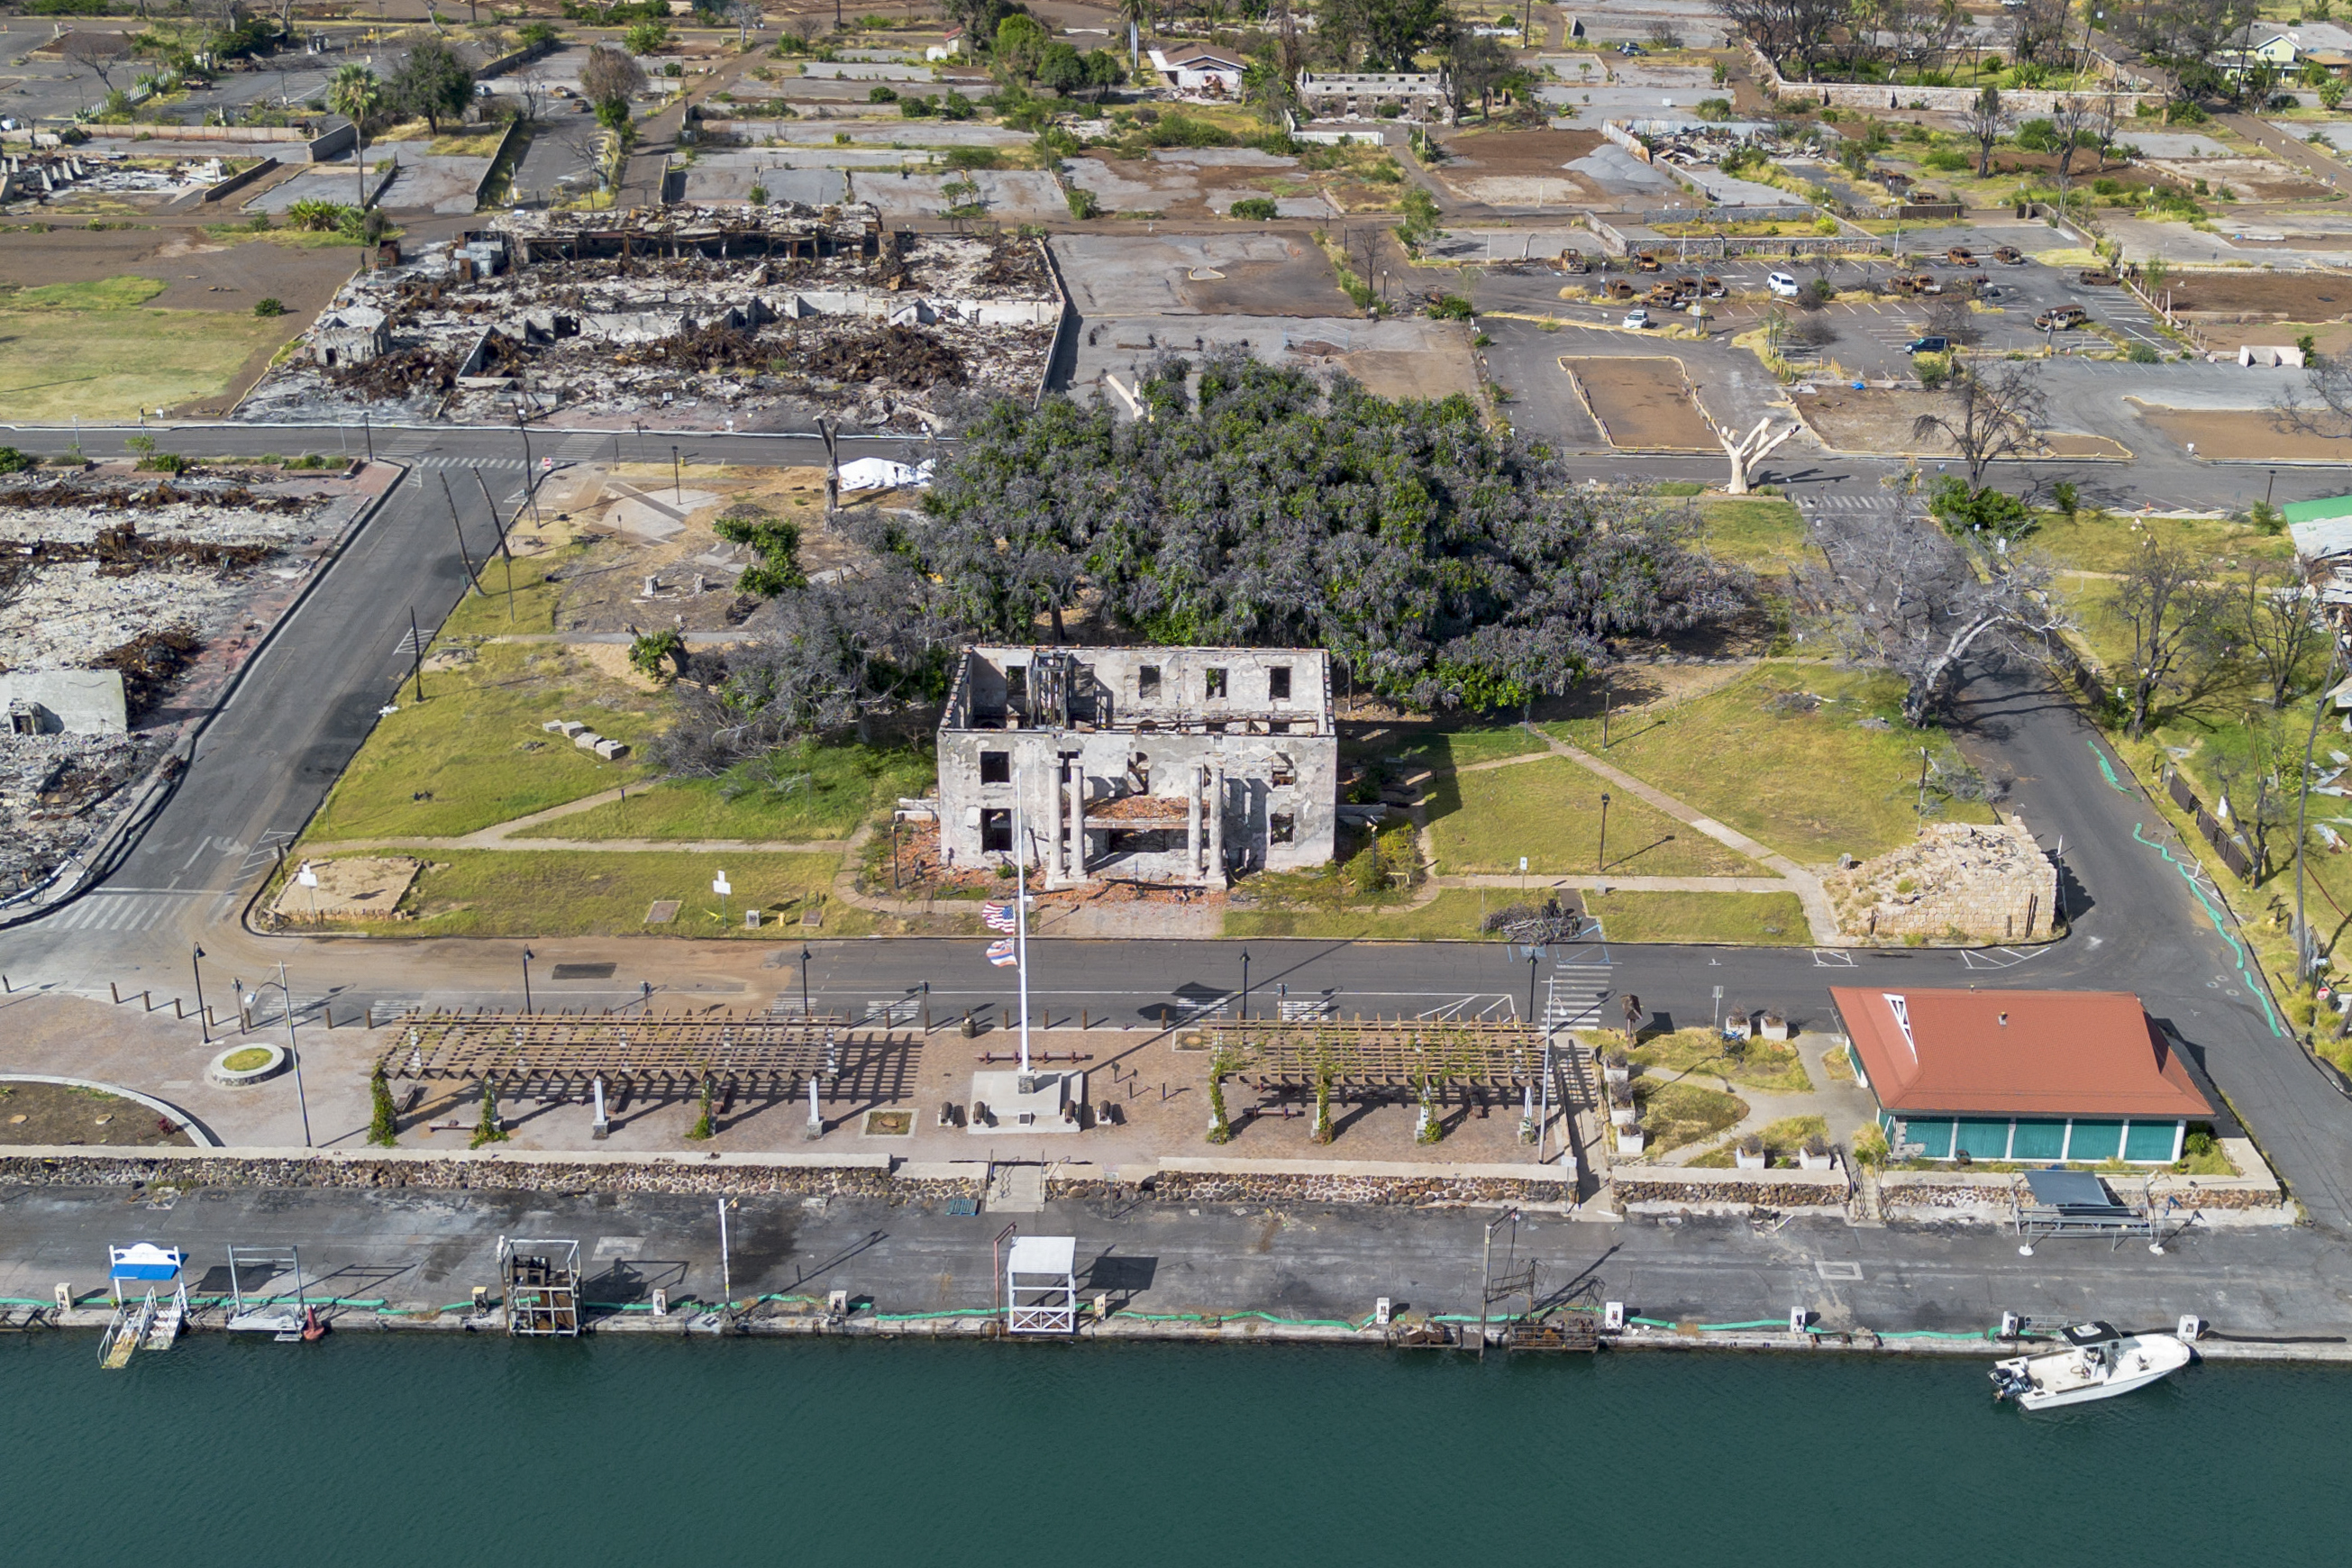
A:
[552,1055]
[1379,1054]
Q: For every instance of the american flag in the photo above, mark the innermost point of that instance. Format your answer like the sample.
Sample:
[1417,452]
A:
[996,914]
[1001,954]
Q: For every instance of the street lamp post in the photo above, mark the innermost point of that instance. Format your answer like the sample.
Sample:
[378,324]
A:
[804,990]
[204,1021]
[293,1049]
[526,956]
[1600,860]
[1245,985]
[1533,954]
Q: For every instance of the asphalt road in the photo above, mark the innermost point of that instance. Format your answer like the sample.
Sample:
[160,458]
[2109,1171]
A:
[417,1249]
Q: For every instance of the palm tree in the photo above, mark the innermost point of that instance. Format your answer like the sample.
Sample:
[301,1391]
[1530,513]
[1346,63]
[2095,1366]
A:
[355,92]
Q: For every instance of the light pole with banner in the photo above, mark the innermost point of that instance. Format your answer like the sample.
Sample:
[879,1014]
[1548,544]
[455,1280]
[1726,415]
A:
[526,956]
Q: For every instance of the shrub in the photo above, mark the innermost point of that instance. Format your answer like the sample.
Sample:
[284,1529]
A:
[971,158]
[1962,510]
[1934,370]
[913,108]
[2141,353]
[383,1125]
[1450,308]
[1083,203]
[12,461]
[1257,209]
[269,305]
[880,94]
[1944,161]
[759,195]
[2066,497]
[1869,1146]
[1714,109]
[314,216]
[259,223]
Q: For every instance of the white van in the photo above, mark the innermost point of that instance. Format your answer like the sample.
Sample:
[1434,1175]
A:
[1783,285]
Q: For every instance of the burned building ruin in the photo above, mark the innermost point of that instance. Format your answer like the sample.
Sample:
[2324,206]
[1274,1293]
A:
[1173,765]
[728,312]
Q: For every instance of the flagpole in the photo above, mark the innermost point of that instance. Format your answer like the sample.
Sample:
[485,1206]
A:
[1020,916]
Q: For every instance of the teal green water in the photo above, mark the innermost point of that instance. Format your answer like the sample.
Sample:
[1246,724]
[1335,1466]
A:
[369,1449]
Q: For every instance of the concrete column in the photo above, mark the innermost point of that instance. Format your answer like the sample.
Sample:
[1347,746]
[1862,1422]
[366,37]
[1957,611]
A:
[1192,819]
[1216,824]
[1078,819]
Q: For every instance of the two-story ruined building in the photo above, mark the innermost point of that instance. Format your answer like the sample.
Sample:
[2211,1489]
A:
[1158,764]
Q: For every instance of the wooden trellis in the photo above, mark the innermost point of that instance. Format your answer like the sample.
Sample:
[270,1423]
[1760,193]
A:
[552,1055]
[1374,1053]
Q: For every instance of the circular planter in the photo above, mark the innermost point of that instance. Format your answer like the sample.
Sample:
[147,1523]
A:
[241,1065]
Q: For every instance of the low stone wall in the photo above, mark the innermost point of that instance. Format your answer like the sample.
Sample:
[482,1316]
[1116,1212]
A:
[1950,1194]
[2022,102]
[1218,1181]
[1768,1189]
[849,1176]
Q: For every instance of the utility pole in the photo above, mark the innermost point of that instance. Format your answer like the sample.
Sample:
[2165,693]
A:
[1487,1273]
[416,652]
[1600,860]
[459,528]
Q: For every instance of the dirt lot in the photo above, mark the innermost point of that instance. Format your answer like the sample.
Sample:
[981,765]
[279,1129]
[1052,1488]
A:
[59,1113]
[1520,168]
[2248,435]
[1848,421]
[2263,179]
[1641,404]
[2290,296]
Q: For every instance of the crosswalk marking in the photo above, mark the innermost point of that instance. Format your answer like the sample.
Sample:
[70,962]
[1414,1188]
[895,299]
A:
[1849,502]
[586,444]
[136,911]
[439,460]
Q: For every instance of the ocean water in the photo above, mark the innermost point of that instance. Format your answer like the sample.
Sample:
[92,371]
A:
[373,1448]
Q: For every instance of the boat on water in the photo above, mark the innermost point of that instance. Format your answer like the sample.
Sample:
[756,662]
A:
[2099,1362]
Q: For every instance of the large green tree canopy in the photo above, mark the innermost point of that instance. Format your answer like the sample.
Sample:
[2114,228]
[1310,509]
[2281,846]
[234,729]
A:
[1445,565]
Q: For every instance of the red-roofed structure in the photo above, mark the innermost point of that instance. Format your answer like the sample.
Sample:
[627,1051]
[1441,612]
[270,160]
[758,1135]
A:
[2076,1076]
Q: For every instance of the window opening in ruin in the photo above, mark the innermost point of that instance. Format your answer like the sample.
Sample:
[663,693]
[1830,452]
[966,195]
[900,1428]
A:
[1016,685]
[1216,684]
[1139,768]
[1143,841]
[996,767]
[1277,683]
[1280,828]
[1285,774]
[995,832]
[1147,680]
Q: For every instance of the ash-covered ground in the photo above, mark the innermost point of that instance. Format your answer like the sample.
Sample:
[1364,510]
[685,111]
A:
[165,578]
[759,316]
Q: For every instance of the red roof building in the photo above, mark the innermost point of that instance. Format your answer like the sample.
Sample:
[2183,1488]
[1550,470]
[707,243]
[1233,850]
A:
[2073,1076]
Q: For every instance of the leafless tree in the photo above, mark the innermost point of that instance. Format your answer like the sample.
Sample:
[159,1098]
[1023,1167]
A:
[746,15]
[1994,413]
[1794,32]
[1895,593]
[1987,120]
[98,53]
[611,76]
[2329,412]
[1950,317]
[2073,117]
[2260,801]
[2278,625]
[2177,617]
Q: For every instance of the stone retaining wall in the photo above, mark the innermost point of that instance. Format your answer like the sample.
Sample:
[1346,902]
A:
[2022,102]
[1409,1192]
[1771,1189]
[476,1172]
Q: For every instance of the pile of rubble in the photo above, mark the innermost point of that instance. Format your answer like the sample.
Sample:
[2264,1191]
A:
[90,566]
[1958,882]
[736,310]
[110,570]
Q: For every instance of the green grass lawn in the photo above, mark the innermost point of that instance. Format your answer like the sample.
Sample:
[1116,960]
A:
[1452,916]
[95,350]
[2102,542]
[1762,920]
[1705,1054]
[475,746]
[1549,811]
[1431,746]
[504,892]
[847,784]
[520,601]
[1673,1114]
[1810,784]
[1763,533]
[1783,1139]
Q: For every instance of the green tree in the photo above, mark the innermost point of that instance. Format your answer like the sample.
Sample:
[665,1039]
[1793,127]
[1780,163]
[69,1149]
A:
[652,650]
[1105,71]
[646,38]
[356,92]
[1021,43]
[775,541]
[1421,215]
[1061,70]
[384,1122]
[433,82]
[1393,31]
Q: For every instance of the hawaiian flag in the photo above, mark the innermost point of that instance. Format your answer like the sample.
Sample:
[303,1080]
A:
[1001,954]
[996,914]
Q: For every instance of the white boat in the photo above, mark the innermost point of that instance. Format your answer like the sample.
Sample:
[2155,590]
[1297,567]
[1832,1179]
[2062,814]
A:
[2098,1363]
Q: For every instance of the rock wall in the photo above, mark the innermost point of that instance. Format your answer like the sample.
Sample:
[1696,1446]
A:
[1958,882]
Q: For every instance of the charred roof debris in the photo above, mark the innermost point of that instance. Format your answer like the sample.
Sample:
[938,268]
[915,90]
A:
[719,309]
